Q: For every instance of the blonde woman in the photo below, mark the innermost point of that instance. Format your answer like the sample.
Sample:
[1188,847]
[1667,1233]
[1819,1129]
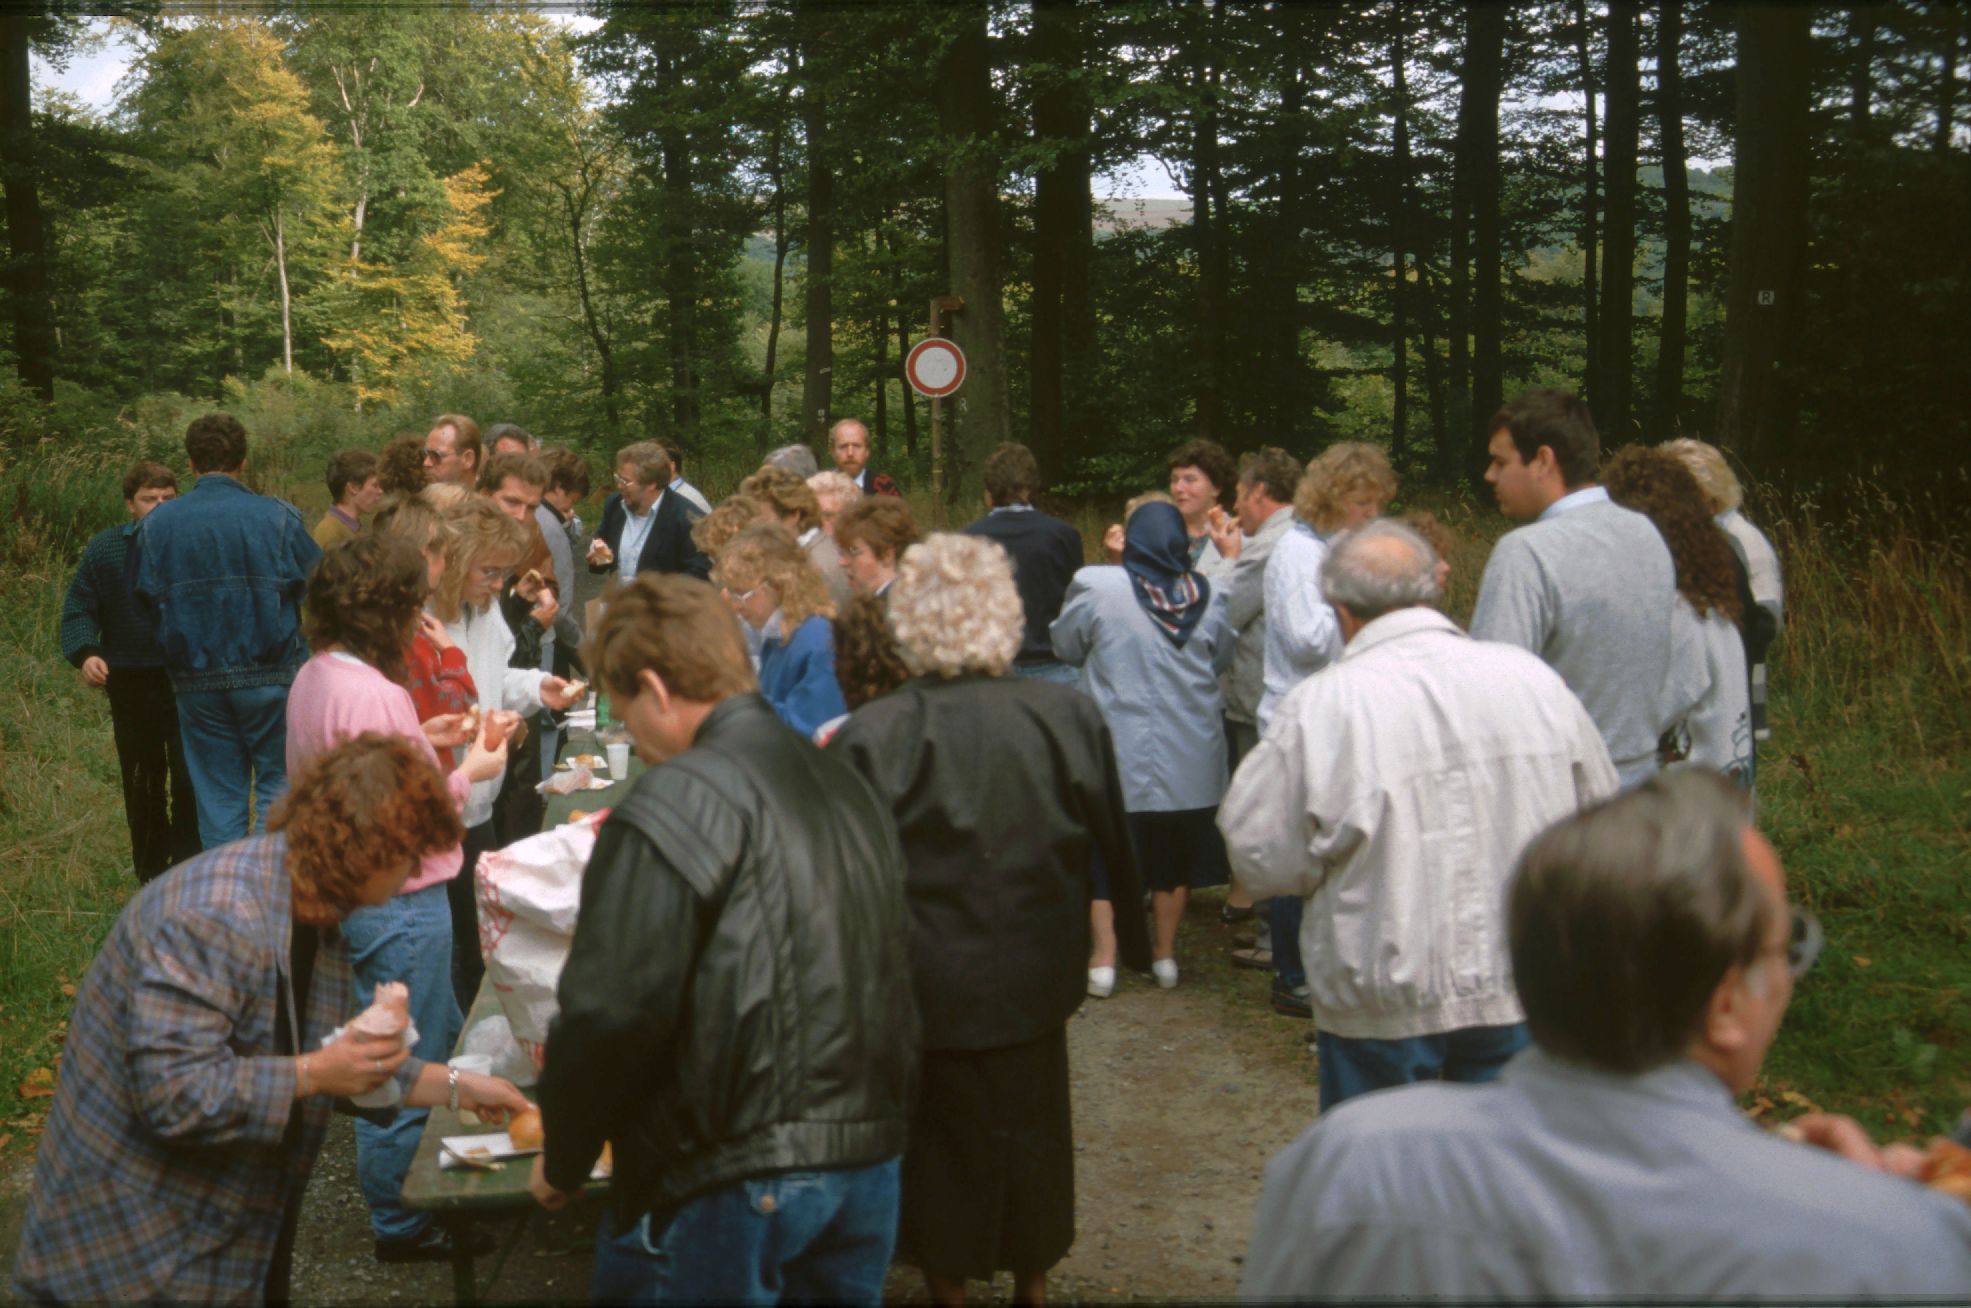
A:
[483,548]
[834,492]
[790,501]
[775,590]
[999,860]
[1348,484]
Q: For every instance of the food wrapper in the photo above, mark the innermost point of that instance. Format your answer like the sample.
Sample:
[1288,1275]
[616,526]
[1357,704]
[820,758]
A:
[528,896]
[389,1014]
[575,778]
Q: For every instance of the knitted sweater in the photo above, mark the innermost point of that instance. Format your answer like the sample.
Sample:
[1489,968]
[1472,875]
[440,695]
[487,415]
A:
[100,616]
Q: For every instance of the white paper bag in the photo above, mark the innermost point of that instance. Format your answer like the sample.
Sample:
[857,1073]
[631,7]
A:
[528,895]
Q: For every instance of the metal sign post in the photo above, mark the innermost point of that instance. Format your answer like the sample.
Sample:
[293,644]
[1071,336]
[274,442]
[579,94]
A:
[940,305]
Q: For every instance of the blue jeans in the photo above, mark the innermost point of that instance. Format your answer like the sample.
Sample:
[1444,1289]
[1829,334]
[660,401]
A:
[235,744]
[408,939]
[1283,922]
[804,1237]
[1355,1067]
[1065,674]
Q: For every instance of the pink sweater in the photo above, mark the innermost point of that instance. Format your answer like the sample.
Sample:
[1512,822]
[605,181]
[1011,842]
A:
[336,697]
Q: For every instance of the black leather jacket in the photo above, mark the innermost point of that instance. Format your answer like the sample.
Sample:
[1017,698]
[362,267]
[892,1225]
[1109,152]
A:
[737,999]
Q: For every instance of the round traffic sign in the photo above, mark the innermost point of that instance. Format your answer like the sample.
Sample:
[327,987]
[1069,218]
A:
[935,367]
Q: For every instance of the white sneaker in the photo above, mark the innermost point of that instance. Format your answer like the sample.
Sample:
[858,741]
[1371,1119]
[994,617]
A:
[1101,982]
[1166,972]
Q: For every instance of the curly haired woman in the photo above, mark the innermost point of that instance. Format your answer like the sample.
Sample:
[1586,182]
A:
[195,1089]
[1000,877]
[776,591]
[1717,733]
[365,601]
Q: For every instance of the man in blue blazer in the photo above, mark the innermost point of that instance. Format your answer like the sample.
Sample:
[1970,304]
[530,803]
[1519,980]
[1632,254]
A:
[644,527]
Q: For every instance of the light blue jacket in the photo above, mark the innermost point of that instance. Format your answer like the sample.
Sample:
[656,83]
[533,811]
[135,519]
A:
[1162,702]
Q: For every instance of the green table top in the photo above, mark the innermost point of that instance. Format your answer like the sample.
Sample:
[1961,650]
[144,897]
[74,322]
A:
[588,801]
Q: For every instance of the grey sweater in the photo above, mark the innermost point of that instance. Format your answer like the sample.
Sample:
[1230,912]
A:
[1591,590]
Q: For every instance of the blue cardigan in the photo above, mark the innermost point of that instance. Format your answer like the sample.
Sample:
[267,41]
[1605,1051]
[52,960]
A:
[797,676]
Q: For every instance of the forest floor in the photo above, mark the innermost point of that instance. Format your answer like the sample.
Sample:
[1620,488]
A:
[1180,1097]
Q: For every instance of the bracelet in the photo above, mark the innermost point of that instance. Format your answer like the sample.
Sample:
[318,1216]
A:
[301,1074]
[452,1088]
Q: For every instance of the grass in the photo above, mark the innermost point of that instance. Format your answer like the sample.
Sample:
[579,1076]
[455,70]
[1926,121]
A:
[1863,789]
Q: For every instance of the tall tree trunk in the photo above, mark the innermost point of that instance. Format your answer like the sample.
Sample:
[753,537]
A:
[1766,280]
[1433,366]
[1590,204]
[1485,40]
[897,293]
[287,298]
[26,277]
[1452,448]
[1615,370]
[1280,290]
[1676,221]
[983,416]
[1059,205]
[577,211]
[818,382]
[879,331]
[1206,221]
[777,170]
[1940,133]
[679,274]
[1398,228]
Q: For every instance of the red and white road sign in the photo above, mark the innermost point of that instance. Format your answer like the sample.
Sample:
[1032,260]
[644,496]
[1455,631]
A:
[935,367]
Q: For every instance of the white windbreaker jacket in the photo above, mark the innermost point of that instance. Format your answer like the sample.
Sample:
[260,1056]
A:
[1394,791]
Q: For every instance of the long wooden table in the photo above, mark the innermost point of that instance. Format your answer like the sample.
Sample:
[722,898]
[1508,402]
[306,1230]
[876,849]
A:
[464,1197]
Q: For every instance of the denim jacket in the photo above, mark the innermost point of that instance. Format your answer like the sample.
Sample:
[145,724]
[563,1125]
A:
[224,569]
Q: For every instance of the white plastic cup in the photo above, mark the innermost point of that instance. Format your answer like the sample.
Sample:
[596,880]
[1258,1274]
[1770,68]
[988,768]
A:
[619,759]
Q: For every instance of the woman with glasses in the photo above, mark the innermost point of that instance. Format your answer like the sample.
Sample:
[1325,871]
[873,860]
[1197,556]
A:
[776,592]
[484,547]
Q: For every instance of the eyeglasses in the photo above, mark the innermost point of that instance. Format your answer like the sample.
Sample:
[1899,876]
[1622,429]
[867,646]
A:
[625,482]
[737,600]
[436,456]
[491,573]
[1803,941]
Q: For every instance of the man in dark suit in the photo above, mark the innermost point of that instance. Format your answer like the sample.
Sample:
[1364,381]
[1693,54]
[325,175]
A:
[645,528]
[848,441]
[1045,553]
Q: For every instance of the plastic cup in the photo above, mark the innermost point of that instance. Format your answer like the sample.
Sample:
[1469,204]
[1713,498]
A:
[619,759]
[478,1064]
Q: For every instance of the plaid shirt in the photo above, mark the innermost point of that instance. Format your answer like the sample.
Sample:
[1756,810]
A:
[169,1158]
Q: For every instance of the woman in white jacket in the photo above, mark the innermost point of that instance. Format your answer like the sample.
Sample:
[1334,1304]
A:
[484,548]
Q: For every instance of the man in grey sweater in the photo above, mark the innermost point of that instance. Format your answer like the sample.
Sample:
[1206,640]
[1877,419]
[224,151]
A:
[1585,584]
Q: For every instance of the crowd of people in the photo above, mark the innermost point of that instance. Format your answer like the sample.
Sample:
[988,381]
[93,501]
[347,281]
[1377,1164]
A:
[913,800]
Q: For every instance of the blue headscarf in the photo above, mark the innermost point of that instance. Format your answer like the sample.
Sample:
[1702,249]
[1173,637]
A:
[1156,552]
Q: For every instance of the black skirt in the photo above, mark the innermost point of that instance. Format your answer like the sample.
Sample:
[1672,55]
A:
[1180,849]
[988,1177]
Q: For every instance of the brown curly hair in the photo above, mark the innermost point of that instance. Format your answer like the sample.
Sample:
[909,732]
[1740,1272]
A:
[868,663]
[365,596]
[787,494]
[1656,484]
[713,532]
[400,468]
[372,804]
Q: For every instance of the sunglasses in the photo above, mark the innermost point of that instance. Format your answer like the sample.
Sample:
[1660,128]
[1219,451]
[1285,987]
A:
[436,456]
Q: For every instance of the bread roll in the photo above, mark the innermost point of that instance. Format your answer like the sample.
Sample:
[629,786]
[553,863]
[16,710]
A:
[389,1011]
[524,1129]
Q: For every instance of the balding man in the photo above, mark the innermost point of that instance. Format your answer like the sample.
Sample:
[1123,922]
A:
[1392,793]
[848,441]
[1611,1161]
